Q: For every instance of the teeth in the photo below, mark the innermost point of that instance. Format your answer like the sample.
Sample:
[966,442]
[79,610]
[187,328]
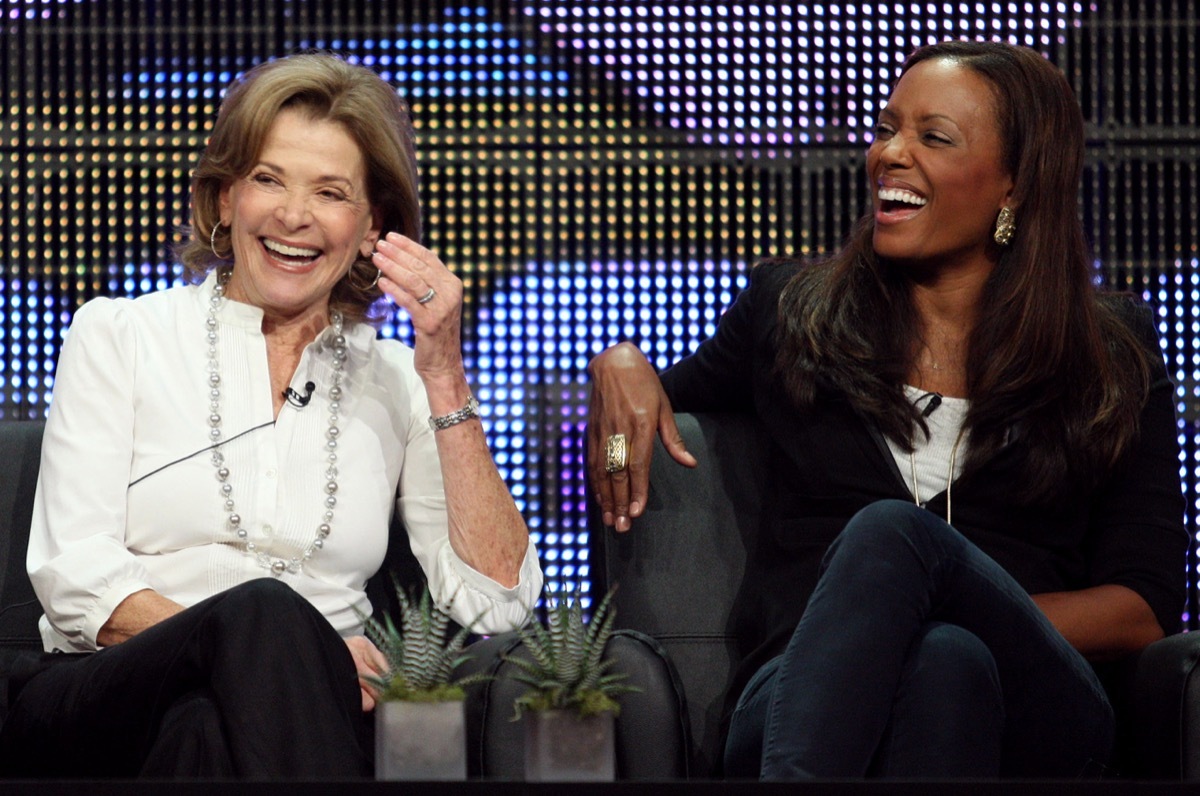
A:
[289,251]
[901,195]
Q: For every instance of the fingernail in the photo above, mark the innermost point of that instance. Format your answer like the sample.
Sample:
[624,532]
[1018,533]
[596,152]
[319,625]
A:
[608,519]
[635,509]
[622,523]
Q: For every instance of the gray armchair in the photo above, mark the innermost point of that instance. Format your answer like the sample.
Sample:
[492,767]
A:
[20,452]
[682,565]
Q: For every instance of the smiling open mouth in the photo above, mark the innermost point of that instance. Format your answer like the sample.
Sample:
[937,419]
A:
[895,199]
[293,255]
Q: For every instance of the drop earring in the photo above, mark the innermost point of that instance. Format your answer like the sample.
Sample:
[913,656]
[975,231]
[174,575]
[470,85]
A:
[1006,225]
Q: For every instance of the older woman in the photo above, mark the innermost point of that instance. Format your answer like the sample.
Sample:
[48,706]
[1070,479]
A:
[975,484]
[221,461]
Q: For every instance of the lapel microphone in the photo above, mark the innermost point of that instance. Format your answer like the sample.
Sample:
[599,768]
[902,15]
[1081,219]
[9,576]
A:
[296,399]
[935,400]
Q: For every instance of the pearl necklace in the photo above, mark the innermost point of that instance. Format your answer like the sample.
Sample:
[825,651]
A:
[276,566]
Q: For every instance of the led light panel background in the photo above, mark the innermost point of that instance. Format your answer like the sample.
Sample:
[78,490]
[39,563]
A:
[595,170]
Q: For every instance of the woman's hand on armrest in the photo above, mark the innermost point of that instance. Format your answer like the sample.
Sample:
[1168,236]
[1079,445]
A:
[627,398]
[135,613]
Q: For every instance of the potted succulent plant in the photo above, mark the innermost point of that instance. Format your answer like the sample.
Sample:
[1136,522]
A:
[570,707]
[420,731]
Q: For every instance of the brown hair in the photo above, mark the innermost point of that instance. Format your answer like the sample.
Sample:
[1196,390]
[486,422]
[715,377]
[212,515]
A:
[331,90]
[1061,368]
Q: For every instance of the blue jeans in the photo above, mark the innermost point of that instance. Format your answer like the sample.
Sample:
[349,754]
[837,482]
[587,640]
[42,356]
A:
[919,656]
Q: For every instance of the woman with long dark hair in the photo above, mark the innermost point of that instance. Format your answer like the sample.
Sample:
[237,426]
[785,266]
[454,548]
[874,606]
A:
[975,466]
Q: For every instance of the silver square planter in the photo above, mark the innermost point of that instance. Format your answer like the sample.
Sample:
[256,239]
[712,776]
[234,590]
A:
[560,746]
[420,741]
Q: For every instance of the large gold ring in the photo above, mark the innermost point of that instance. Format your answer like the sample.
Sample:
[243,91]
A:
[616,454]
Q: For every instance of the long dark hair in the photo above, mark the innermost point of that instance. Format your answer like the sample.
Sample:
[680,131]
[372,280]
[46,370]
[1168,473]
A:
[1062,370]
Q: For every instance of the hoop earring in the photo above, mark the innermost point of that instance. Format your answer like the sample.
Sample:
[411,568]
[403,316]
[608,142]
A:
[212,241]
[1006,226]
[356,283]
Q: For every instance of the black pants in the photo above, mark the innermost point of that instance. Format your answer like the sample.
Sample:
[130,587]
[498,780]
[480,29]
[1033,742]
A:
[250,683]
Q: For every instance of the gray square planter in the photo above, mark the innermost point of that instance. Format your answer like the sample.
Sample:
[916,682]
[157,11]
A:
[562,747]
[420,741]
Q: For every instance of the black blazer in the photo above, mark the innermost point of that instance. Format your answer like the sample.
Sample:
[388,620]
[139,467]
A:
[828,463]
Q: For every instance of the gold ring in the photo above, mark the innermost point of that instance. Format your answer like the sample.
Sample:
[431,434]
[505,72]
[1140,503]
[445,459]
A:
[616,454]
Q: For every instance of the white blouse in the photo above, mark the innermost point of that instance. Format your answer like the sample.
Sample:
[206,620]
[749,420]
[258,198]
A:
[128,498]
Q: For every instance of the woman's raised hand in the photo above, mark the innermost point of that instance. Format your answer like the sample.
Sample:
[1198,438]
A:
[627,402]
[418,281]
[486,530]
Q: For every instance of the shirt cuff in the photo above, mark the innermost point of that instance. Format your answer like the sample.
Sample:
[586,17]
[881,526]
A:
[482,603]
[104,607]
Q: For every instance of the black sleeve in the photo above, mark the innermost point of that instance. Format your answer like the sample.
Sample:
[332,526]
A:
[719,374]
[1138,539]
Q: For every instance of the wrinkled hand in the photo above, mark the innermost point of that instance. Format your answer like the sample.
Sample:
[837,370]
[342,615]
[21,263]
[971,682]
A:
[627,398]
[368,661]
[409,272]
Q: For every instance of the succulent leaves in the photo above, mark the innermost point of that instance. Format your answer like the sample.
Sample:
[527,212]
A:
[421,661]
[567,668]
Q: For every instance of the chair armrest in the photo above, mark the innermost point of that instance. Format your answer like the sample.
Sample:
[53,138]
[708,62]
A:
[679,571]
[489,750]
[1164,709]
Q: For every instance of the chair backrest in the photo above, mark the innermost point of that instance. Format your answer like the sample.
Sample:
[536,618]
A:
[680,568]
[20,456]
